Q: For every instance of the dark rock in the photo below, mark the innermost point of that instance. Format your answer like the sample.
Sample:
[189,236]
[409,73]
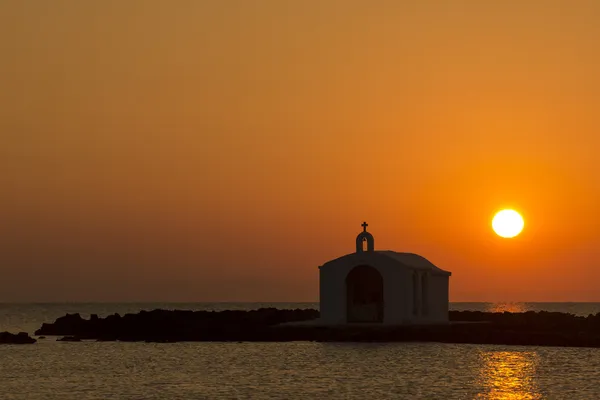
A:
[19,338]
[69,339]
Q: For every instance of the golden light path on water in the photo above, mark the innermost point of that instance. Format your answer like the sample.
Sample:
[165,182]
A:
[509,375]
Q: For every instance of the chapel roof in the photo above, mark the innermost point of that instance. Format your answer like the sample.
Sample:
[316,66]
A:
[410,260]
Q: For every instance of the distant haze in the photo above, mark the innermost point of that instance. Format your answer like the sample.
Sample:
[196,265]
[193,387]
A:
[222,150]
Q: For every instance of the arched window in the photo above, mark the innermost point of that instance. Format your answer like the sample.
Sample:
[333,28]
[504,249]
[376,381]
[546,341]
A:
[425,294]
[415,285]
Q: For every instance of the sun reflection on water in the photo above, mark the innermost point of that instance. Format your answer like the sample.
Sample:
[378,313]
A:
[510,307]
[509,375]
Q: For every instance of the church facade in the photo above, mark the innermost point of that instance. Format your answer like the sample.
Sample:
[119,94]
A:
[386,287]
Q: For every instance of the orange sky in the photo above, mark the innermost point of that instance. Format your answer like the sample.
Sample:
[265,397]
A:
[222,150]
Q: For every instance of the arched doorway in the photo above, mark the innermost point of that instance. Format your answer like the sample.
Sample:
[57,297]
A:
[364,295]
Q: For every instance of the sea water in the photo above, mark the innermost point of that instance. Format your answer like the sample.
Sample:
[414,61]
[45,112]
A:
[297,370]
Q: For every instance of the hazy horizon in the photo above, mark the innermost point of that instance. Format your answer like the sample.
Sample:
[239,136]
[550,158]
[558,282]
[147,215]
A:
[222,151]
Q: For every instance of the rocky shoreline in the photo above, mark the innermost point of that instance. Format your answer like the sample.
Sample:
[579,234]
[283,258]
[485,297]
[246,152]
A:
[164,326]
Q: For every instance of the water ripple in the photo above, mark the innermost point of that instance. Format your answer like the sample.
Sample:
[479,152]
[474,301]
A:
[89,370]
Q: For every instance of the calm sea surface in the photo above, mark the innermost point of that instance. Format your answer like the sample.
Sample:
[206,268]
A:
[112,370]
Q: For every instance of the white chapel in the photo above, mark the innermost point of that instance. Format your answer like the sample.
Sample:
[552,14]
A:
[382,286]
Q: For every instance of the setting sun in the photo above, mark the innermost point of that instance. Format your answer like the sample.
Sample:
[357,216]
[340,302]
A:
[507,223]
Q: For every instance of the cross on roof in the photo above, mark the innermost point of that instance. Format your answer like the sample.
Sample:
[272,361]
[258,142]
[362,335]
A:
[364,225]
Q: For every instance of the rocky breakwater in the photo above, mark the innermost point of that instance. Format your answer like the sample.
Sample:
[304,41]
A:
[177,325]
[472,327]
[19,338]
[529,328]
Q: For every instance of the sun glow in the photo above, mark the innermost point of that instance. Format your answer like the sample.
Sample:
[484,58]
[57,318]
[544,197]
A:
[507,223]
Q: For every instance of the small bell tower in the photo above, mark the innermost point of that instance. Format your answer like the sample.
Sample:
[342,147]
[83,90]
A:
[365,236]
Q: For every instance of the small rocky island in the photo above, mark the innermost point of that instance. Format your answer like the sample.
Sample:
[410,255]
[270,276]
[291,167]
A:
[19,338]
[270,324]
